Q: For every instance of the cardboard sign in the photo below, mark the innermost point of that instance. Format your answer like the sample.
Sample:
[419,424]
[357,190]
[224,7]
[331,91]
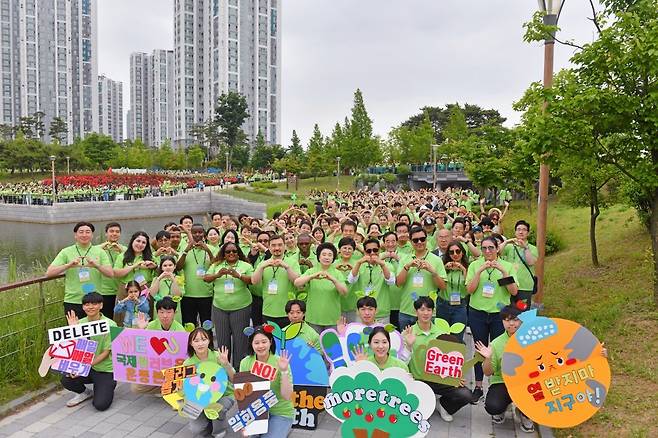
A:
[84,330]
[443,362]
[339,350]
[203,391]
[308,402]
[72,357]
[139,356]
[382,404]
[554,371]
[174,377]
[264,370]
[248,389]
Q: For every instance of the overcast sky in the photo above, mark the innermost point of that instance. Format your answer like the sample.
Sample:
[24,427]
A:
[403,54]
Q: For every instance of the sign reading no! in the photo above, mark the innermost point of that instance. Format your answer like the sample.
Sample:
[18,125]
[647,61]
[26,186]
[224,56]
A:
[70,332]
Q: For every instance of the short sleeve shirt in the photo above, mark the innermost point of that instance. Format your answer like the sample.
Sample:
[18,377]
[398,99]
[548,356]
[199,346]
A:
[419,282]
[489,278]
[497,348]
[197,263]
[422,338]
[275,286]
[73,286]
[284,407]
[109,285]
[516,256]
[323,300]
[230,293]
[104,343]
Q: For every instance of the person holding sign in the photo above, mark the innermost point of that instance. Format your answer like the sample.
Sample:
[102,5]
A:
[136,263]
[194,261]
[262,348]
[100,374]
[490,281]
[110,285]
[84,266]
[165,312]
[420,334]
[451,301]
[276,279]
[421,273]
[380,345]
[229,275]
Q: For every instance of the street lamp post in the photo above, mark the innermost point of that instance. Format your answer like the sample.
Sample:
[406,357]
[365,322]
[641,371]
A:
[52,171]
[68,165]
[226,153]
[337,173]
[551,9]
[434,148]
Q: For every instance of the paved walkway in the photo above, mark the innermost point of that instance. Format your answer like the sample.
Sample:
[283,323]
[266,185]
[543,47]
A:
[132,415]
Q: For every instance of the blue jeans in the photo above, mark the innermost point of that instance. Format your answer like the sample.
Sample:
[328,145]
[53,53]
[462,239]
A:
[277,427]
[484,326]
[452,314]
[406,320]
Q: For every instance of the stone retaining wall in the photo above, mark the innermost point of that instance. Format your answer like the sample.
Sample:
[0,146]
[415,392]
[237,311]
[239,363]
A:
[189,203]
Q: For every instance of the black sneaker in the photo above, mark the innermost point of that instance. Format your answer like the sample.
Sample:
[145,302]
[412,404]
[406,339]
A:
[478,395]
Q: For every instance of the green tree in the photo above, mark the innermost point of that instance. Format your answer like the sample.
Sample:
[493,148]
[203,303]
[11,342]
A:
[99,149]
[58,130]
[315,157]
[296,149]
[265,154]
[455,131]
[195,157]
[230,114]
[410,144]
[360,148]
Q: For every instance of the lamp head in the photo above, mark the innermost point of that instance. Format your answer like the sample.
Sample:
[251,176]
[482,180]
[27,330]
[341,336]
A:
[551,7]
[52,158]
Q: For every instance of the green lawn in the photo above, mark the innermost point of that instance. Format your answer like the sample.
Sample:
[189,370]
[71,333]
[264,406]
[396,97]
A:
[323,183]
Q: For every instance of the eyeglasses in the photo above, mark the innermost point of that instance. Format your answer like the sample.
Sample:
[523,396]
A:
[456,251]
[264,241]
[418,239]
[231,251]
[372,250]
[488,248]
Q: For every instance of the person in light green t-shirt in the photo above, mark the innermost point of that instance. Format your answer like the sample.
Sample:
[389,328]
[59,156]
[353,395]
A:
[100,374]
[523,255]
[194,261]
[168,284]
[136,263]
[296,310]
[110,285]
[380,344]
[84,265]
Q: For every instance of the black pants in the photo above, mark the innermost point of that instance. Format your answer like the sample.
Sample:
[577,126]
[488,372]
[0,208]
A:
[77,308]
[104,385]
[395,319]
[497,400]
[256,310]
[191,308]
[109,301]
[452,398]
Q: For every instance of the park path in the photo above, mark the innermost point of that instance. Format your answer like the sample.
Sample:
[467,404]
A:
[132,415]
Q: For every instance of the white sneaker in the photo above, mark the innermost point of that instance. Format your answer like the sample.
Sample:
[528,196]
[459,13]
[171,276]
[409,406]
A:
[79,398]
[527,425]
[498,419]
[445,416]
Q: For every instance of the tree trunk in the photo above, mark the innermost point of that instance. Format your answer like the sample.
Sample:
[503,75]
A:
[593,215]
[654,242]
[377,433]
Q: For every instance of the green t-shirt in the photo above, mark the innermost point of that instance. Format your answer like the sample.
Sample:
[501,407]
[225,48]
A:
[104,343]
[255,289]
[455,282]
[418,281]
[391,362]
[394,292]
[422,338]
[515,254]
[323,300]
[405,250]
[497,348]
[231,293]
[197,263]
[275,286]
[489,276]
[157,325]
[372,283]
[164,290]
[348,302]
[130,276]
[283,407]
[109,285]
[73,287]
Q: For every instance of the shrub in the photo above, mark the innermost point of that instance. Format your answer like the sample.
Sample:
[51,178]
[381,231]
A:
[264,184]
[553,241]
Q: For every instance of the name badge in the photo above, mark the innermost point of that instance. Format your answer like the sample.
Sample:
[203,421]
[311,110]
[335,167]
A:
[368,290]
[84,274]
[139,278]
[200,272]
[272,287]
[488,289]
[229,286]
[455,298]
[417,280]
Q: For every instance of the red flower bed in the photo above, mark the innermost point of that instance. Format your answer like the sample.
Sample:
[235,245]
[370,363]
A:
[115,180]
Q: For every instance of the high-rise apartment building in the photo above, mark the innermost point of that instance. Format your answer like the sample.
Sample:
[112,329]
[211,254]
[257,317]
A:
[110,108]
[227,45]
[152,97]
[49,62]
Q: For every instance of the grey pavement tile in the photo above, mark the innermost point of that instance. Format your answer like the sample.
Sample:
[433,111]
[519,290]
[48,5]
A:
[128,425]
[159,435]
[117,418]
[142,431]
[170,427]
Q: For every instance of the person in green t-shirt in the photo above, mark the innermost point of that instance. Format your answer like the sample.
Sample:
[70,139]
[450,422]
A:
[110,285]
[498,398]
[168,284]
[390,255]
[523,255]
[402,232]
[262,348]
[296,310]
[451,301]
[136,263]
[304,254]
[194,261]
[380,345]
[165,310]
[347,258]
[490,281]
[84,266]
[100,375]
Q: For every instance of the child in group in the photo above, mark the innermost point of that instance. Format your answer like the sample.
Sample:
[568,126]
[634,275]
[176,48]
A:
[132,305]
[167,283]
[296,310]
[201,348]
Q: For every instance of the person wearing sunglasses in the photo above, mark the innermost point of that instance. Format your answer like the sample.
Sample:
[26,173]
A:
[451,301]
[230,276]
[420,274]
[257,254]
[490,281]
[370,277]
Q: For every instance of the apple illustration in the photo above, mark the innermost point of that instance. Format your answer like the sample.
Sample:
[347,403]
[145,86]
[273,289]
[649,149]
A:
[381,413]
[358,410]
[393,419]
[346,413]
[369,418]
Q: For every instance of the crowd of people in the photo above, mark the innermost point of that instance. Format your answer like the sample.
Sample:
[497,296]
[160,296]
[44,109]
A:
[377,258]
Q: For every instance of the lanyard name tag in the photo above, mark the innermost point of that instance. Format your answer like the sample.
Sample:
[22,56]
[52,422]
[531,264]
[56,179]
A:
[488,289]
[369,290]
[200,272]
[417,280]
[272,287]
[229,286]
[84,274]
[139,278]
[455,298]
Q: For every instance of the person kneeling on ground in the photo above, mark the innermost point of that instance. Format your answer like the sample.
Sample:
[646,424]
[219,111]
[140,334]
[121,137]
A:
[100,374]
